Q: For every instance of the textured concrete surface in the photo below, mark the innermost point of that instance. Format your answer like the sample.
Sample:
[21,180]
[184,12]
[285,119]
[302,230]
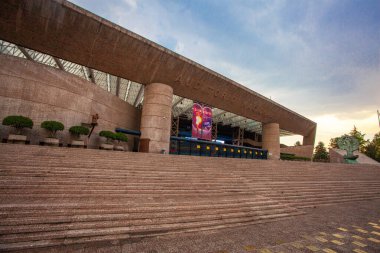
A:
[156,117]
[303,151]
[271,140]
[348,227]
[336,156]
[45,93]
[61,29]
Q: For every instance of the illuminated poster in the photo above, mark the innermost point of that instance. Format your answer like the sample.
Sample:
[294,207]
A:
[202,122]
[207,123]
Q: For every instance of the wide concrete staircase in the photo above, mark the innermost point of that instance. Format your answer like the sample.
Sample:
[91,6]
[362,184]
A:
[58,196]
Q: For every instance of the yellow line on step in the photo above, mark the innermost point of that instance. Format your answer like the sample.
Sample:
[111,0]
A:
[327,250]
[312,248]
[321,239]
[337,242]
[359,251]
[359,244]
[362,231]
[338,236]
[249,248]
[358,237]
[373,240]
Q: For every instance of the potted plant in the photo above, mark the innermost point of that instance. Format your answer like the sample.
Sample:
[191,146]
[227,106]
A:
[52,127]
[18,122]
[76,132]
[120,137]
[110,136]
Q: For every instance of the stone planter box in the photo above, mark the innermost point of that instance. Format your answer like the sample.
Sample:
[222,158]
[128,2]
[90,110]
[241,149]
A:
[51,141]
[17,138]
[77,144]
[106,146]
[118,148]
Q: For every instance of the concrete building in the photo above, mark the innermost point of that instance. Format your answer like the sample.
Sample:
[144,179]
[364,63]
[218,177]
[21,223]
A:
[77,64]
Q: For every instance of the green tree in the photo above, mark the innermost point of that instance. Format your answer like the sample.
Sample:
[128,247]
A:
[372,149]
[333,142]
[360,137]
[354,133]
[320,152]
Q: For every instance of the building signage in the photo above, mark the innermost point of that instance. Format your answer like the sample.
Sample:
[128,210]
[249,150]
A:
[202,122]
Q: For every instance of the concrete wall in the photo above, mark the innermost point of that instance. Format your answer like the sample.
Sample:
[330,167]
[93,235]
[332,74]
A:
[45,93]
[336,156]
[303,151]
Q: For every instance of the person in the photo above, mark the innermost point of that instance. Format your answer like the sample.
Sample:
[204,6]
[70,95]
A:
[94,123]
[94,120]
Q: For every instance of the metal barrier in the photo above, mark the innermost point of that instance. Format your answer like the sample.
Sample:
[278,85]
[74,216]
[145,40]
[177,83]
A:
[183,146]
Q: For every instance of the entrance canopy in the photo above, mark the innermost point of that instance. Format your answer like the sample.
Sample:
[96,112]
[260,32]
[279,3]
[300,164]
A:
[131,92]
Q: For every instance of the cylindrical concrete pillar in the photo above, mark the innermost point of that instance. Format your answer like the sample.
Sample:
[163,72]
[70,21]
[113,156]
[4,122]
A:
[156,116]
[271,140]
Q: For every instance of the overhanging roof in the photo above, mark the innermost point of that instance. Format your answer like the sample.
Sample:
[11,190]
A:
[65,31]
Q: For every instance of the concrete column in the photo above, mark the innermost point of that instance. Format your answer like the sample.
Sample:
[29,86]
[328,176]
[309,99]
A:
[156,116]
[310,138]
[271,140]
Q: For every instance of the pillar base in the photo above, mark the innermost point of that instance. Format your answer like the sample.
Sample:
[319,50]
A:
[271,140]
[156,117]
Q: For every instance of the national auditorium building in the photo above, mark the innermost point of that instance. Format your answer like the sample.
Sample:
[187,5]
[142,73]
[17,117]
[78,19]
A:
[61,62]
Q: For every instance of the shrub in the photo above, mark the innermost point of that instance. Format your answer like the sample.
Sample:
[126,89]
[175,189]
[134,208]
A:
[108,135]
[79,130]
[52,127]
[18,122]
[121,137]
[293,157]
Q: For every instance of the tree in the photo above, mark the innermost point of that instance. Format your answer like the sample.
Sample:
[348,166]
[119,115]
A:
[360,137]
[333,142]
[320,153]
[354,133]
[372,149]
[298,143]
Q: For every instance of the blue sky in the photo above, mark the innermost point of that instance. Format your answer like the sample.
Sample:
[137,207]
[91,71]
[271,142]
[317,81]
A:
[318,58]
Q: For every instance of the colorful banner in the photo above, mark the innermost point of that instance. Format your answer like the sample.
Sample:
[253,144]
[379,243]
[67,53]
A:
[207,123]
[202,122]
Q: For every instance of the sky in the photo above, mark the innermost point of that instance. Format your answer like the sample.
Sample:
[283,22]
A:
[320,59]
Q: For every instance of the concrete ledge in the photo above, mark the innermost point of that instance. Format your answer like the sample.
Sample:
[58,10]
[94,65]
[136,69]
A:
[78,144]
[51,141]
[106,146]
[118,148]
[16,138]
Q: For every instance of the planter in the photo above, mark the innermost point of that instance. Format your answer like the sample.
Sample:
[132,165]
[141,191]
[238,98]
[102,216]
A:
[118,148]
[77,144]
[51,141]
[106,146]
[17,138]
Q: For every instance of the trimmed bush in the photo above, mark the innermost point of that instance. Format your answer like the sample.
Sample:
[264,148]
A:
[18,122]
[293,157]
[108,135]
[52,127]
[79,130]
[121,137]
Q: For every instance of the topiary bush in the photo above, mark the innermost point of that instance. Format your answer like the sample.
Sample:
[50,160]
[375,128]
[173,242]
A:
[79,130]
[18,122]
[121,137]
[52,127]
[108,135]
